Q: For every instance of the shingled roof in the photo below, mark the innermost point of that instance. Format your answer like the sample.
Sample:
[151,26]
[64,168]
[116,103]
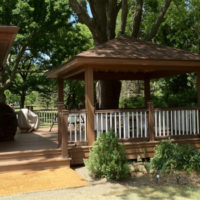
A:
[130,55]
[126,47]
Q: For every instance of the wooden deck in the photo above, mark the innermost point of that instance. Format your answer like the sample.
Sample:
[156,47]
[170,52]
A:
[133,149]
[39,146]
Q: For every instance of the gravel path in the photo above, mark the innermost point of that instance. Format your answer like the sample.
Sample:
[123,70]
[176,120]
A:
[137,188]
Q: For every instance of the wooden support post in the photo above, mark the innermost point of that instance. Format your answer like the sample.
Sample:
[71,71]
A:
[60,106]
[147,93]
[151,131]
[89,104]
[198,94]
[64,131]
[60,90]
[198,89]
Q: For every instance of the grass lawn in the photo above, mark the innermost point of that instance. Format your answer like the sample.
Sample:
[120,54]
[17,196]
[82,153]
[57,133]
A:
[160,192]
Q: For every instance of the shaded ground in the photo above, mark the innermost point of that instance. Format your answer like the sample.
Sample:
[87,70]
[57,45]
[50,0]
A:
[138,188]
[42,139]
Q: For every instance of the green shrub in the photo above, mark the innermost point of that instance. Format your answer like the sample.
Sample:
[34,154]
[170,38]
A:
[107,158]
[169,157]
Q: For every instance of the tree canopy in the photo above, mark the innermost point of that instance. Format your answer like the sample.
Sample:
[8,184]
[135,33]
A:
[52,32]
[47,37]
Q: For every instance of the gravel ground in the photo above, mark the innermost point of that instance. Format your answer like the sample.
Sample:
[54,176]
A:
[138,187]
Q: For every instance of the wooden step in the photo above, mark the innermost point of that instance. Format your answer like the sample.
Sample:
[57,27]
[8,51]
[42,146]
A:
[32,160]
[34,164]
[30,154]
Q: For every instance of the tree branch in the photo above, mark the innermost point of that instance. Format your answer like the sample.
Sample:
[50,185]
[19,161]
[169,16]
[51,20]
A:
[17,61]
[112,9]
[137,18]
[159,20]
[81,10]
[124,16]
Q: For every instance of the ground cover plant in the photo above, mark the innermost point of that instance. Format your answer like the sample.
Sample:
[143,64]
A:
[170,157]
[107,158]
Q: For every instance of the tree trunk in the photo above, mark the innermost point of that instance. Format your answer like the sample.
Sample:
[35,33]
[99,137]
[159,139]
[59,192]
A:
[2,96]
[108,93]
[23,98]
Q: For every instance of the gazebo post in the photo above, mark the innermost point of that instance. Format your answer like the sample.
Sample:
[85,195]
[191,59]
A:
[147,93]
[151,130]
[198,93]
[60,106]
[89,104]
[198,89]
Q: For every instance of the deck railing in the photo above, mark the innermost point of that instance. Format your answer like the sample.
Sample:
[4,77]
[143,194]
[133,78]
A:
[77,126]
[136,124]
[47,116]
[127,123]
[176,122]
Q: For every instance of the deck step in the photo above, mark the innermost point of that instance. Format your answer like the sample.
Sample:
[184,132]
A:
[32,160]
[30,154]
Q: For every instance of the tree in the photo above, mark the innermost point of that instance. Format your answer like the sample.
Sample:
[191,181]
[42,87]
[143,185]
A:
[47,37]
[181,30]
[38,21]
[102,23]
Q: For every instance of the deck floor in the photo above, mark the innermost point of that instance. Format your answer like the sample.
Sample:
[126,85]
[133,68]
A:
[42,139]
[37,140]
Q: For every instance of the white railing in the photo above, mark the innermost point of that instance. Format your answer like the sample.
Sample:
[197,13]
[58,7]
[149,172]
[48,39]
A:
[125,123]
[47,117]
[176,122]
[77,127]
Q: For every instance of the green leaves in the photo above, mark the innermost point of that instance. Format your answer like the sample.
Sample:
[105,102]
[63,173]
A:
[169,157]
[48,36]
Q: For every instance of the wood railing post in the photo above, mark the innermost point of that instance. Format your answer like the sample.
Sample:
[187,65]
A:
[60,106]
[89,104]
[151,131]
[64,131]
[198,95]
[147,91]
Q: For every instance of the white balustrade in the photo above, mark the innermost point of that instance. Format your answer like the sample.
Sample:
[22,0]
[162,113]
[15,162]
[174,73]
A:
[126,124]
[77,127]
[176,122]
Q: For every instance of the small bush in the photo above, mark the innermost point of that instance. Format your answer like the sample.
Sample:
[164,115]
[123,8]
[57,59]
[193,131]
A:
[107,158]
[169,157]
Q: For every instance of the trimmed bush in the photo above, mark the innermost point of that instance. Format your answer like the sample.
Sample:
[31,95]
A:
[107,158]
[169,157]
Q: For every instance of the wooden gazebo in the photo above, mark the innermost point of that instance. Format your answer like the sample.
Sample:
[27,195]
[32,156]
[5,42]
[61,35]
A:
[124,58]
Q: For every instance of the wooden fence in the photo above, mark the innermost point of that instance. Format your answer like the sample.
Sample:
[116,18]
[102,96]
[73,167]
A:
[47,117]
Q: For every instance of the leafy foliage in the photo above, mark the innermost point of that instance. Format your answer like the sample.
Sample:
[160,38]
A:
[49,37]
[169,157]
[107,158]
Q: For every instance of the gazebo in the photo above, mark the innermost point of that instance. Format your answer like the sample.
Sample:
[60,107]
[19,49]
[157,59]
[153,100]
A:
[125,58]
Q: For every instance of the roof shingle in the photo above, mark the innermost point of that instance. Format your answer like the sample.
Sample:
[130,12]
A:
[126,47]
